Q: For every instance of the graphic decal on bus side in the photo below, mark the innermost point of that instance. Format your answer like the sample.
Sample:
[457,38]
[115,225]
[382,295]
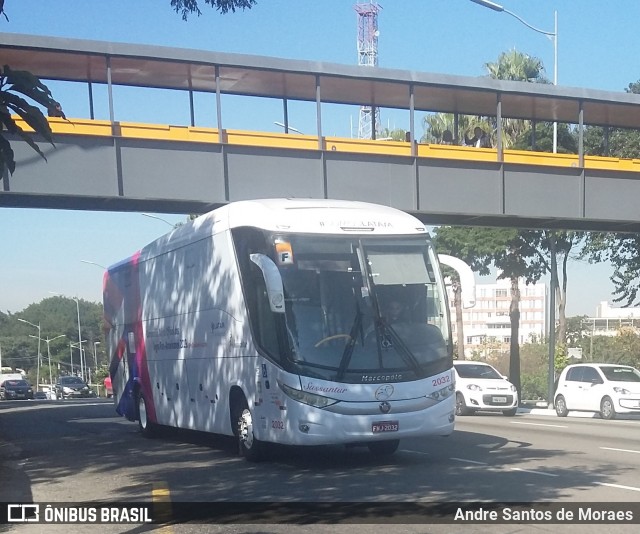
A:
[128,368]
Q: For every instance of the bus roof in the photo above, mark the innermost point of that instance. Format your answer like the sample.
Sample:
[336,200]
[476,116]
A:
[314,216]
[322,216]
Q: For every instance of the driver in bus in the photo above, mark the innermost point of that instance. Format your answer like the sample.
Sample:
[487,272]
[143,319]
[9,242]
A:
[396,312]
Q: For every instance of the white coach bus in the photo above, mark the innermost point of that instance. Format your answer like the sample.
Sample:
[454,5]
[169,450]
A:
[300,322]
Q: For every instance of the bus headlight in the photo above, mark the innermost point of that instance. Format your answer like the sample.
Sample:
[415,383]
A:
[442,393]
[317,401]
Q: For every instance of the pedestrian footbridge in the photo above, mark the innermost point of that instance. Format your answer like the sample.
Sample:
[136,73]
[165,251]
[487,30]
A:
[114,164]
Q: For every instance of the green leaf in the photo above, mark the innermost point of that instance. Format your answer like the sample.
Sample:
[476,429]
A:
[24,82]
[29,140]
[31,115]
[6,157]
[8,122]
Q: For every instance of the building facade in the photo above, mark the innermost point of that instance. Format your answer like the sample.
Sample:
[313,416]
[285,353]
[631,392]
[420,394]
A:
[608,320]
[487,325]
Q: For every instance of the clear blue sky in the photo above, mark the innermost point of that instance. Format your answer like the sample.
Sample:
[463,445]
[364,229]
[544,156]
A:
[42,249]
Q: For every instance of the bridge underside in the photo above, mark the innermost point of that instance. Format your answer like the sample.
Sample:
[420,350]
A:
[122,174]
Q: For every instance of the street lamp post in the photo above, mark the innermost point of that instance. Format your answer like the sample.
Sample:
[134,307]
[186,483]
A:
[39,356]
[95,353]
[47,341]
[94,263]
[79,331]
[552,35]
[76,346]
[156,217]
[287,127]
[79,338]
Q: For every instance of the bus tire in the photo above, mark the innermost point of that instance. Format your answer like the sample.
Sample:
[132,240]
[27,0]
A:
[383,448]
[250,447]
[147,428]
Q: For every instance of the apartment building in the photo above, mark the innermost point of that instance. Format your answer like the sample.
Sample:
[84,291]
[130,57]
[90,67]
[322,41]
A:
[609,320]
[488,323]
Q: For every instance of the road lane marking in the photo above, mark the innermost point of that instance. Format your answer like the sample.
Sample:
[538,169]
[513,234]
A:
[512,468]
[468,461]
[537,424]
[619,486]
[161,497]
[619,450]
[534,472]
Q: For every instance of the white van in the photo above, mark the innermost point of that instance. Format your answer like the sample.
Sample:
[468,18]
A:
[608,389]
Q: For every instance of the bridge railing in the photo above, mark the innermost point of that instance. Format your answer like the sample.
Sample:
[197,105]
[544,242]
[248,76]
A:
[293,141]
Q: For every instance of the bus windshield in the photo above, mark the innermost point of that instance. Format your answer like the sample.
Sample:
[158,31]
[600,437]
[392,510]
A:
[362,309]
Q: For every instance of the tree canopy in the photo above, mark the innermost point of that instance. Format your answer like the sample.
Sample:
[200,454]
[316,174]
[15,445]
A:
[517,66]
[188,7]
[56,316]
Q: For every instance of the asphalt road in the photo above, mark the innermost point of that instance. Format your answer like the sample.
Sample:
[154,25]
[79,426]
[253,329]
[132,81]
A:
[81,451]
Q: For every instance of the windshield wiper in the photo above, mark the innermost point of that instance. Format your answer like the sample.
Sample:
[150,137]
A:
[348,350]
[400,346]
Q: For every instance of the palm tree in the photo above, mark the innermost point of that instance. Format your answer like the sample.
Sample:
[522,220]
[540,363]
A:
[435,125]
[519,67]
[512,65]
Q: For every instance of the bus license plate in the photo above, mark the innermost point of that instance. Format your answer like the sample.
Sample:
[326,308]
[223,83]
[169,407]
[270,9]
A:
[384,426]
[500,400]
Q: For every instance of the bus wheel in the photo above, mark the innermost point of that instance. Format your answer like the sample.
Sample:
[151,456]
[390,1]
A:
[147,428]
[383,448]
[250,447]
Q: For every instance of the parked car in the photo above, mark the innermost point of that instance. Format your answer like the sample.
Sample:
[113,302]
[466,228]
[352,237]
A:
[41,395]
[15,389]
[71,387]
[479,386]
[608,389]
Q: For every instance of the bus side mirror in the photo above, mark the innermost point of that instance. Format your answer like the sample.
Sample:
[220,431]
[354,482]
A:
[467,279]
[273,281]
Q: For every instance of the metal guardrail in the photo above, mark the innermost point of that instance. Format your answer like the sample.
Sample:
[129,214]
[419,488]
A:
[196,134]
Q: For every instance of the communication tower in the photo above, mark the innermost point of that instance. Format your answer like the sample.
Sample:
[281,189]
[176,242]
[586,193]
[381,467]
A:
[369,123]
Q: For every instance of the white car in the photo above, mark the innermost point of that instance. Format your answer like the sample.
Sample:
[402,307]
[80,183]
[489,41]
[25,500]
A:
[479,386]
[608,389]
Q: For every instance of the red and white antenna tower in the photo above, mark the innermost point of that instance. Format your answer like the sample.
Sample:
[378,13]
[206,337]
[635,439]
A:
[369,124]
